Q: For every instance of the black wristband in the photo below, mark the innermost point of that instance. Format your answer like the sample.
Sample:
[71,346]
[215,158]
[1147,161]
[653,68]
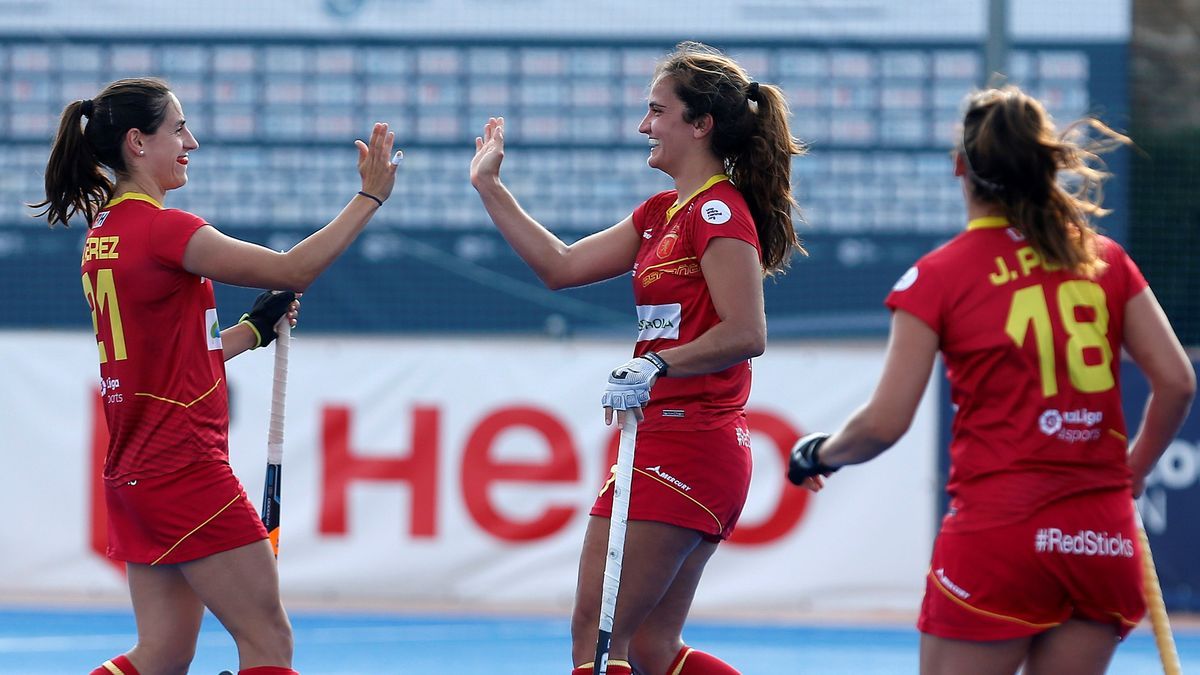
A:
[371,196]
[659,363]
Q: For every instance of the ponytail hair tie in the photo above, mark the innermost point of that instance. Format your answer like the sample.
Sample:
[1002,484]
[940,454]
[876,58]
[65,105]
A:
[752,92]
[86,107]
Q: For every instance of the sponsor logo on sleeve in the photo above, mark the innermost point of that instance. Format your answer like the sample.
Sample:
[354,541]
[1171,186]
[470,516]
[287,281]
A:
[659,322]
[213,329]
[716,212]
[906,280]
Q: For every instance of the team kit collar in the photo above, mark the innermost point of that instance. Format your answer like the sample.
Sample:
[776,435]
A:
[707,184]
[138,196]
[987,223]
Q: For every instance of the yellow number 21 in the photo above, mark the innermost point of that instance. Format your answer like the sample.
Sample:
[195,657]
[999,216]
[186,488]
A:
[103,299]
[1029,310]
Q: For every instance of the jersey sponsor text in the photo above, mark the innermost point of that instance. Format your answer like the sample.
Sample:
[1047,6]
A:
[659,322]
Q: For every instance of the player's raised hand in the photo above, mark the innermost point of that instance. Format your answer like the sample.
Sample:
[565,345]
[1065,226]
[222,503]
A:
[489,153]
[376,162]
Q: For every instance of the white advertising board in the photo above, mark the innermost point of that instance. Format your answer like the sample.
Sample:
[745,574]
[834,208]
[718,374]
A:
[459,472]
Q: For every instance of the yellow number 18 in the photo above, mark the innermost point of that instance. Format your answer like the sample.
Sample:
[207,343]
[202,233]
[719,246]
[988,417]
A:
[1029,310]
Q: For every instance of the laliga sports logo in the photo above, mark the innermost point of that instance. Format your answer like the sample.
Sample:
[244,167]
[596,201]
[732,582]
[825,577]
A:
[1051,421]
[108,384]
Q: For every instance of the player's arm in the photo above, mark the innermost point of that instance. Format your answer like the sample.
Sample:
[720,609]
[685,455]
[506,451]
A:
[209,253]
[1152,344]
[878,424]
[734,277]
[237,339]
[603,255]
[599,256]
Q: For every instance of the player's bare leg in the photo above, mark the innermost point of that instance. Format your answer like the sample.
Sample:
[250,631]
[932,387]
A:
[241,587]
[654,554]
[168,614]
[660,637]
[943,656]
[1076,647]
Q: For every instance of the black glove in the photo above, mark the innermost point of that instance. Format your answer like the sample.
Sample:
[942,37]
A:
[268,308]
[804,462]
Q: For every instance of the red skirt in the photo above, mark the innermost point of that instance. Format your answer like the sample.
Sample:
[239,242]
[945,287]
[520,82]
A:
[693,479]
[188,514]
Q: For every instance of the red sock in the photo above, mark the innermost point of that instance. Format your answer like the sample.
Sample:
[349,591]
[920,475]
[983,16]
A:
[691,662]
[615,667]
[268,670]
[117,666]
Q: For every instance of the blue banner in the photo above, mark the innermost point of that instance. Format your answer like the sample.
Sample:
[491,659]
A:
[1171,500]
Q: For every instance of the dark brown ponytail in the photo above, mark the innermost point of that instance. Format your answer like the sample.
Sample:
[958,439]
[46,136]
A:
[76,180]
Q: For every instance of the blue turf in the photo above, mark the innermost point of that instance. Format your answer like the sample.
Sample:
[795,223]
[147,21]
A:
[44,642]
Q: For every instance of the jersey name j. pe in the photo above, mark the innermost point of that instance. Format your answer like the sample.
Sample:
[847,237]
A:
[674,306]
[162,372]
[1032,356]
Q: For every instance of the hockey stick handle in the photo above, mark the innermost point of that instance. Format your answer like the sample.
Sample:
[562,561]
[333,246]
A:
[616,540]
[1156,607]
[283,338]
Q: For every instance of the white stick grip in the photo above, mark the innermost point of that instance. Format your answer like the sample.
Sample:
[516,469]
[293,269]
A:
[616,526]
[283,338]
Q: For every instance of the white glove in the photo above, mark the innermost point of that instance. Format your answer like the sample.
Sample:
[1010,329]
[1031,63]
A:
[629,385]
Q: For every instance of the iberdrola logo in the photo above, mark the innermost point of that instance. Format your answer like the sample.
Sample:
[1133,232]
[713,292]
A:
[212,329]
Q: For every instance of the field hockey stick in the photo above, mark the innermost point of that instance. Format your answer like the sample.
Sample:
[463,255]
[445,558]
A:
[271,489]
[1155,606]
[616,541]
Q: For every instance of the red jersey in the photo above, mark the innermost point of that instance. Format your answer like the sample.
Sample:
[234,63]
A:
[1032,355]
[162,372]
[674,306]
